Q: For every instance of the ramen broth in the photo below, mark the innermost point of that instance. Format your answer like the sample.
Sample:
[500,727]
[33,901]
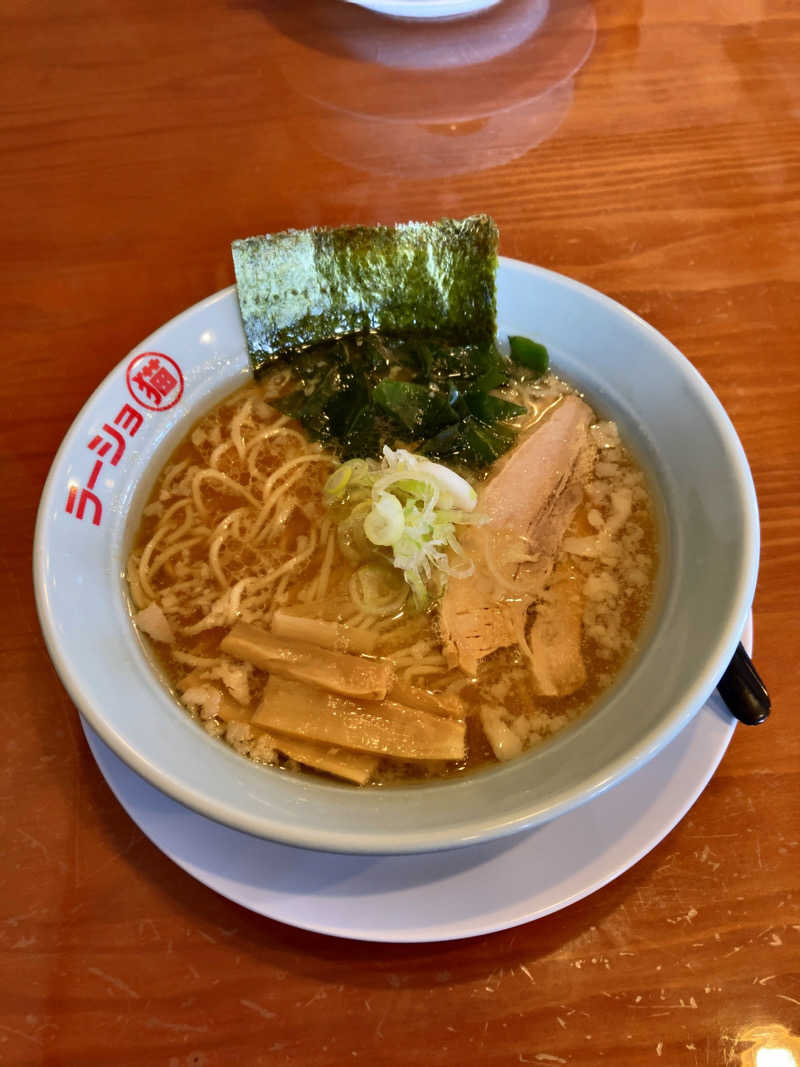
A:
[237,531]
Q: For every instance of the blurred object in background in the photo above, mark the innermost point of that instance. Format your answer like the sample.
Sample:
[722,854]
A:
[425,9]
[433,98]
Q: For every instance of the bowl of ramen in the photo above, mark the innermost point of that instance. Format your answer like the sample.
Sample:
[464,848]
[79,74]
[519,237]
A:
[395,593]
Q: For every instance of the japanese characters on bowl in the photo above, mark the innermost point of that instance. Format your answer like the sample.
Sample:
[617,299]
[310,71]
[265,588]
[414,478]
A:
[155,383]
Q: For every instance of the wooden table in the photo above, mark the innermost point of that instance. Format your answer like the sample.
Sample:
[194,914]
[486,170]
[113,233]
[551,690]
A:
[649,148]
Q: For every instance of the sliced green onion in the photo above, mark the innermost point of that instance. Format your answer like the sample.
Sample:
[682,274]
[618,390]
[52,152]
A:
[410,506]
[337,483]
[384,524]
[530,354]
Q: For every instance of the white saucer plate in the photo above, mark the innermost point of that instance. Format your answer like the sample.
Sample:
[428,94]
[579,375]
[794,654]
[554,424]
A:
[442,895]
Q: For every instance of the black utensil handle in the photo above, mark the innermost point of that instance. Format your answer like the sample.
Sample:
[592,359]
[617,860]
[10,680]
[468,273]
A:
[743,691]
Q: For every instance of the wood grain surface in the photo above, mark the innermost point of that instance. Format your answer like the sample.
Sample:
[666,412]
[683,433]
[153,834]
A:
[650,148]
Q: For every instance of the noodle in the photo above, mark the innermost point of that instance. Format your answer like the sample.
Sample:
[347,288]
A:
[237,528]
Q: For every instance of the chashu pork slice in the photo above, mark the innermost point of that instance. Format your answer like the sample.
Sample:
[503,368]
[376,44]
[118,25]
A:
[554,639]
[530,501]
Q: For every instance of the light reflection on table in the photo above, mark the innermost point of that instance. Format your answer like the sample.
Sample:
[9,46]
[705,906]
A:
[767,1045]
[395,97]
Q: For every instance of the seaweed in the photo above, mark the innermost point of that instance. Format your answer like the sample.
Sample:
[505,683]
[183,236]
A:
[390,334]
[472,442]
[419,409]
[490,408]
[363,392]
[301,287]
[530,354]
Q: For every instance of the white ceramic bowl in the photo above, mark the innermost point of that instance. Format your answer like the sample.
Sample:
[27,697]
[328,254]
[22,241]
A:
[107,463]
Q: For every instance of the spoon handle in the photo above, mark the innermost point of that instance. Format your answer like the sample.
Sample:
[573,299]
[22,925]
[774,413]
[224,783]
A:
[743,691]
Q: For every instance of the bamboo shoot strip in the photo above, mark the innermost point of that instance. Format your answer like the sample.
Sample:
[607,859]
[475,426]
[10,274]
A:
[334,635]
[383,727]
[447,704]
[368,679]
[353,766]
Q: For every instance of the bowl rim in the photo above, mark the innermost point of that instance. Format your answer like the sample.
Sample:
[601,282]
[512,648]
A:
[480,828]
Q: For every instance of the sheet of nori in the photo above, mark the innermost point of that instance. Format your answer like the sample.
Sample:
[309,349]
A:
[300,287]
